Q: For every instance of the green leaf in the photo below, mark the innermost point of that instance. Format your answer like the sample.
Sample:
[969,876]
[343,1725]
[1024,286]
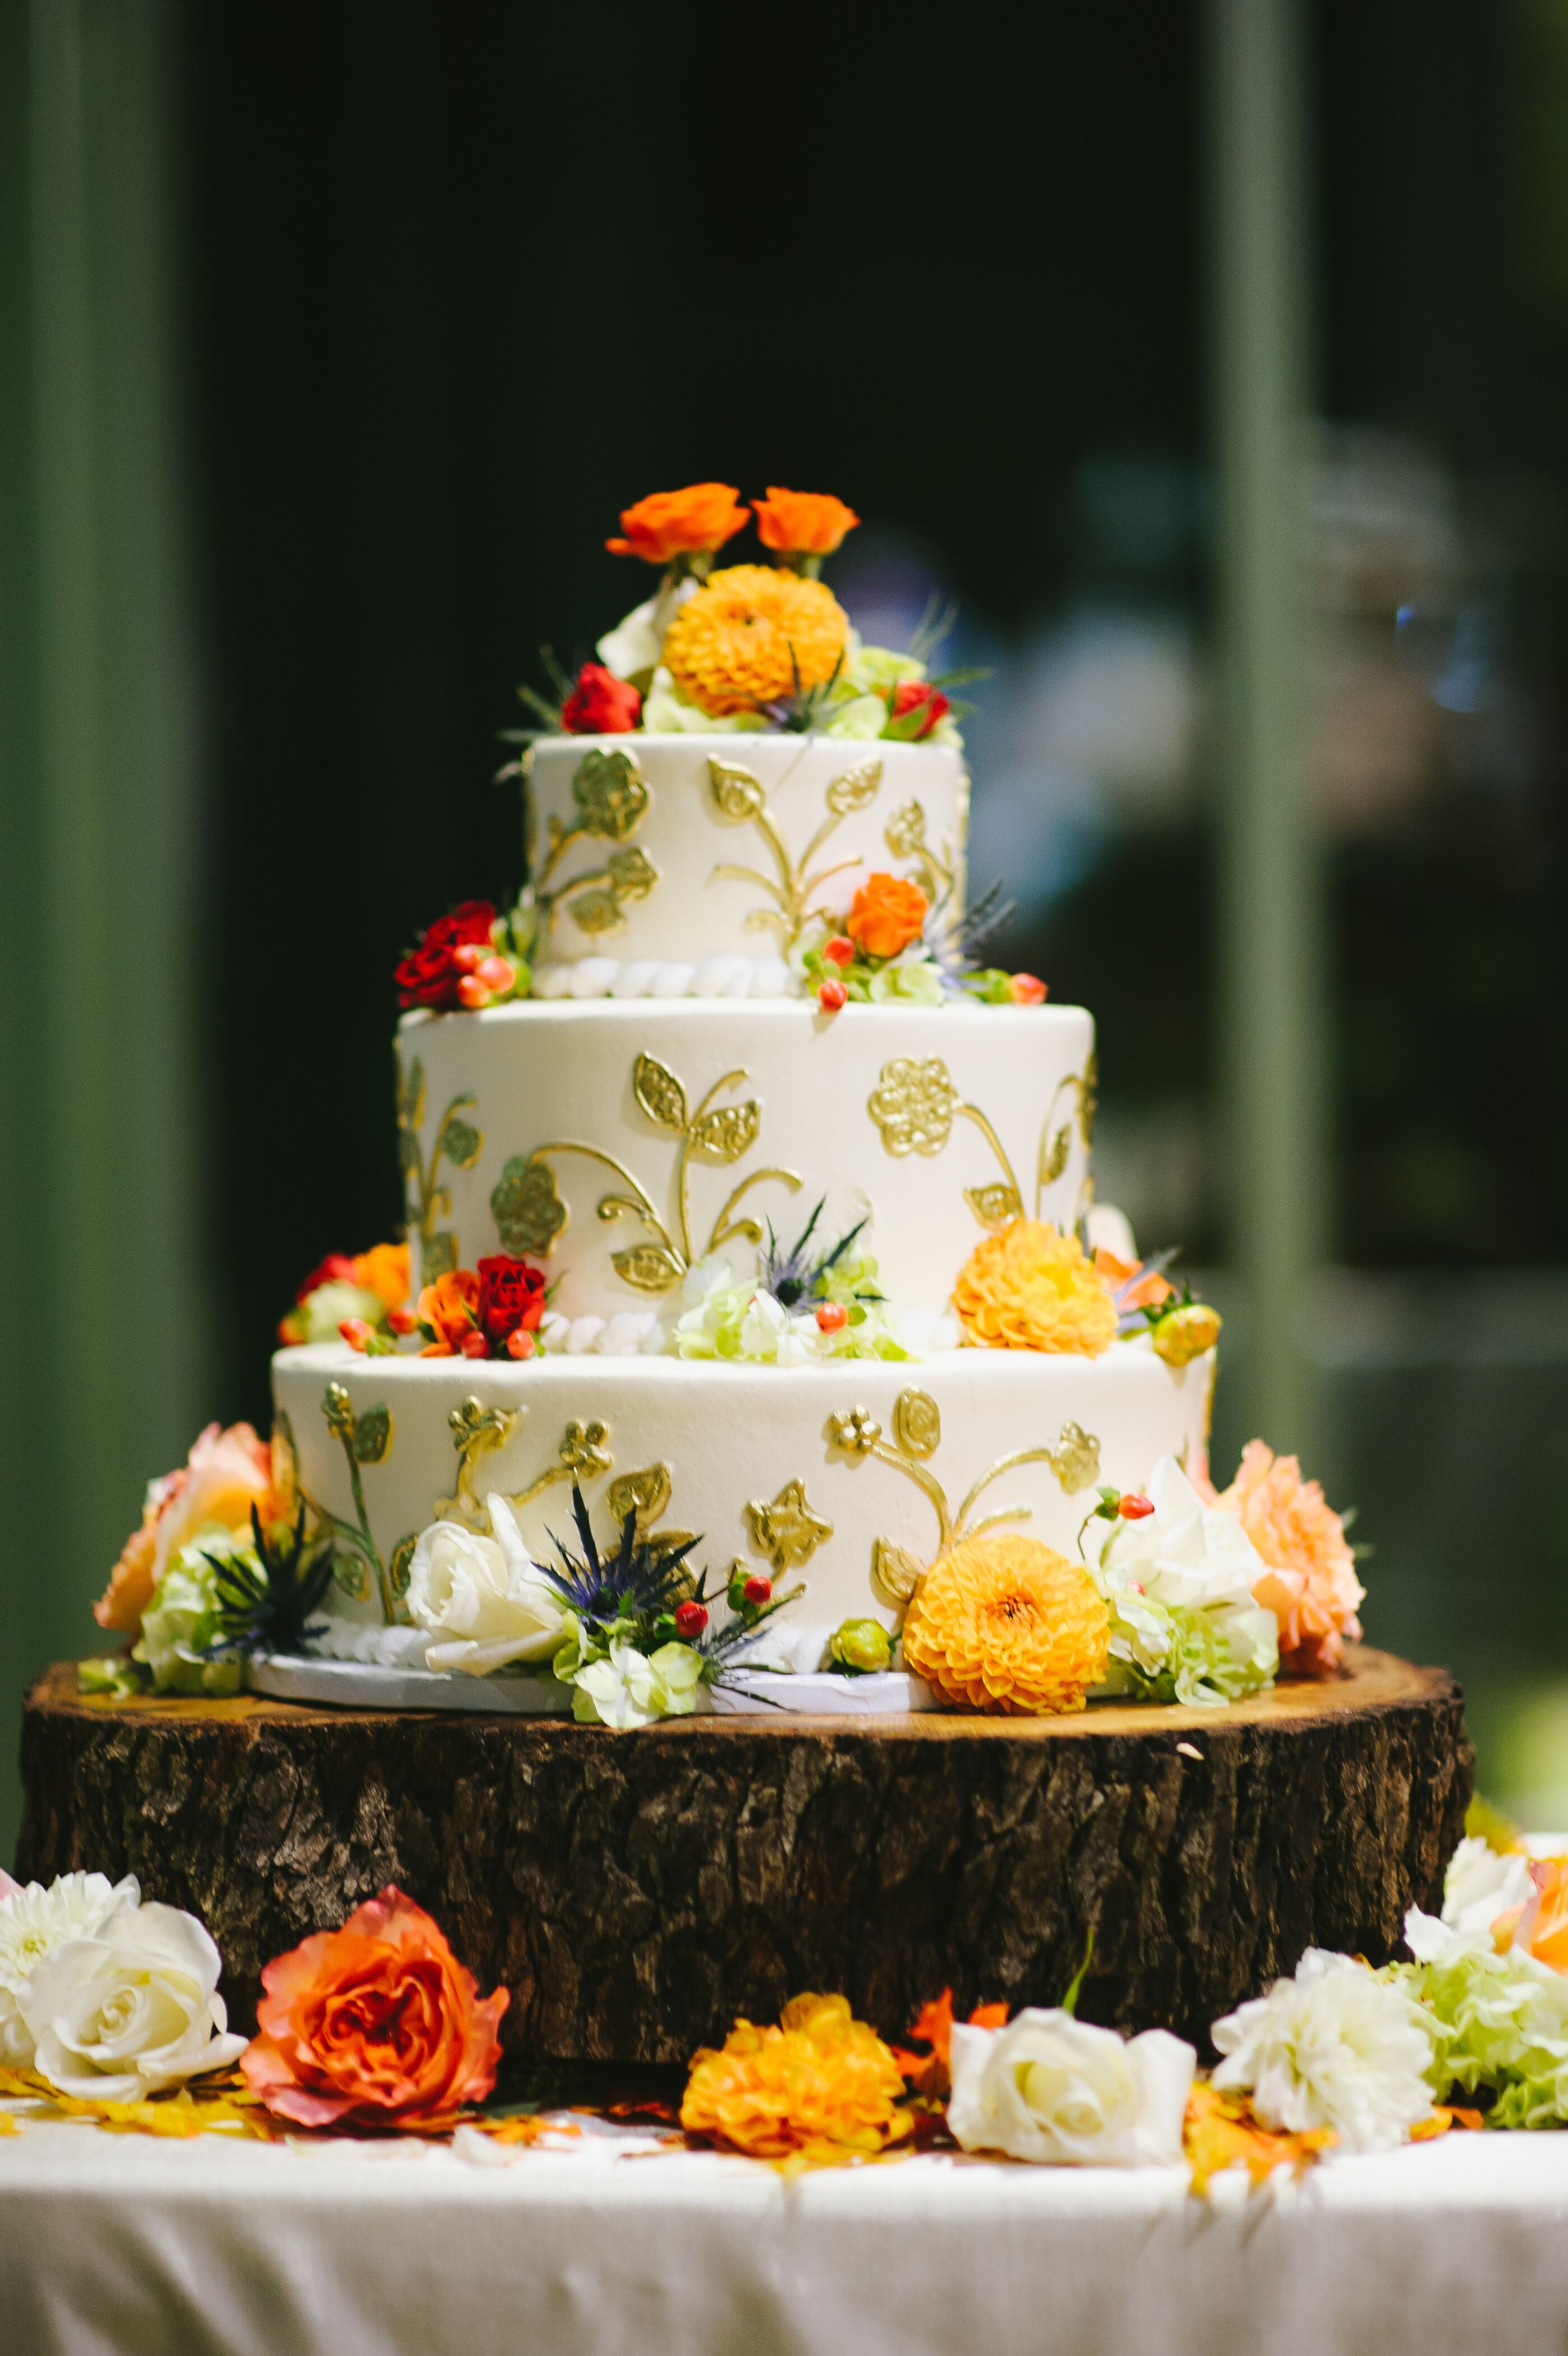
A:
[373,1435]
[1075,1987]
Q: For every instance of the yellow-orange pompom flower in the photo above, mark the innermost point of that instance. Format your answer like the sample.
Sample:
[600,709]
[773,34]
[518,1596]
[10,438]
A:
[752,636]
[886,914]
[384,1270]
[1005,1622]
[1031,1288]
[693,522]
[802,523]
[821,2086]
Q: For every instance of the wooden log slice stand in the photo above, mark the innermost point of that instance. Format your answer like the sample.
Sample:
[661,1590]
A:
[637,1891]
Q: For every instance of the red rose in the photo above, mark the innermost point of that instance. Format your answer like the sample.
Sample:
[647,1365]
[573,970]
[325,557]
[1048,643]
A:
[600,704]
[511,1297]
[911,696]
[336,1269]
[429,975]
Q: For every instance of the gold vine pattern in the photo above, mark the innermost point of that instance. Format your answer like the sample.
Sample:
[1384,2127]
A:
[905,836]
[612,796]
[530,1213]
[457,1142]
[358,1560]
[1080,1090]
[738,795]
[1073,1456]
[581,1454]
[916,1102]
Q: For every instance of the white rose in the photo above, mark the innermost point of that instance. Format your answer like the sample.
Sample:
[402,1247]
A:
[1480,1885]
[1334,2046]
[1048,2087]
[486,1598]
[1179,1584]
[135,2007]
[34,1921]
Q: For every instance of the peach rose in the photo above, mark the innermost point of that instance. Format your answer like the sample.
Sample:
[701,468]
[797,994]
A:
[1144,1294]
[886,914]
[378,2022]
[227,1473]
[802,523]
[450,1308]
[1310,1584]
[693,522]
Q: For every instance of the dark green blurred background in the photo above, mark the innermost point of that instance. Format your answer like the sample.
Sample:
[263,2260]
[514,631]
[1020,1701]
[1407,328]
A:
[333,339]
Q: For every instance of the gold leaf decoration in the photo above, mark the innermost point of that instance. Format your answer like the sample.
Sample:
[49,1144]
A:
[373,1435]
[597,913]
[351,1576]
[787,1530]
[905,832]
[437,1255]
[402,1562]
[649,1268]
[857,1432]
[583,1448]
[856,790]
[994,1206]
[475,1430]
[411,1094]
[726,1132]
[737,793]
[1088,1098]
[894,1570]
[645,1492]
[609,790]
[1075,1459]
[632,873]
[659,1094]
[460,1142]
[338,1409]
[526,1205]
[917,1423]
[913,1105]
[1055,1161]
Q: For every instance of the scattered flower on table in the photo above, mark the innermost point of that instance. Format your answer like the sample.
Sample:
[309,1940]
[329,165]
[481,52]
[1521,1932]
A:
[375,2025]
[1481,1886]
[1005,1622]
[929,2074]
[1336,2046]
[1222,2134]
[35,1921]
[1310,1581]
[1048,2087]
[819,2088]
[131,2008]
[226,1473]
[1032,1287]
[1178,1582]
[366,1287]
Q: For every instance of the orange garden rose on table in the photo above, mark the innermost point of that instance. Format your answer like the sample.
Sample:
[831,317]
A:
[1310,1584]
[375,2025]
[1030,1287]
[1005,1622]
[670,524]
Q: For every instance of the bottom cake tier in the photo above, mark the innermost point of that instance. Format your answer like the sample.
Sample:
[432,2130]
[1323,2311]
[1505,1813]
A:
[637,1892]
[840,1480]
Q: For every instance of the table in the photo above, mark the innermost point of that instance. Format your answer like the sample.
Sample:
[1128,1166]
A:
[128,2243]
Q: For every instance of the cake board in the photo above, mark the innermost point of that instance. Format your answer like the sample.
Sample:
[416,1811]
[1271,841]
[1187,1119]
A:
[637,1891]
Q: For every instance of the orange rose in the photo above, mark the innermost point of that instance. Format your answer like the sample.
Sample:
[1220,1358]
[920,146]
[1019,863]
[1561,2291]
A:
[1149,1290]
[693,522]
[450,1308]
[802,523]
[378,2022]
[226,1473]
[886,914]
[384,1270]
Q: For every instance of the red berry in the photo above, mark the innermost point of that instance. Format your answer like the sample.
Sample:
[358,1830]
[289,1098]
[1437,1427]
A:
[831,996]
[355,1331]
[839,951]
[1028,989]
[473,992]
[403,1321]
[497,972]
[475,1344]
[831,1317]
[691,1619]
[521,1344]
[758,1590]
[1135,1506]
[468,956]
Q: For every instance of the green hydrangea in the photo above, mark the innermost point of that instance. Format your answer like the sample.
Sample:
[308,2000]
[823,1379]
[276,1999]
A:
[1502,2025]
[182,1618]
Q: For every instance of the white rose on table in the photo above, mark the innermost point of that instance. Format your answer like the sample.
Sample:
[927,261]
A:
[1048,2087]
[1333,2047]
[34,1921]
[131,2009]
[486,1599]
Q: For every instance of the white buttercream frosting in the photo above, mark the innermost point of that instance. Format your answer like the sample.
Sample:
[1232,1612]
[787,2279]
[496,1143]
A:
[715,976]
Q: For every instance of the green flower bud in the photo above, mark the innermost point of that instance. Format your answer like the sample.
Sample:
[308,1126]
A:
[861,1644]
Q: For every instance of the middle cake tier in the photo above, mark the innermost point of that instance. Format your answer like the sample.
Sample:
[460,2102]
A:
[622,1144]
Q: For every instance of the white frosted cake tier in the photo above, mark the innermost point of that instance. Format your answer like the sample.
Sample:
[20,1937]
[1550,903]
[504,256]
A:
[525,1127]
[631,838]
[839,1479]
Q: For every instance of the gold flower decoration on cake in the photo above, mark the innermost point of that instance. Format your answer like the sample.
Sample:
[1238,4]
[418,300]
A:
[857,1432]
[1033,1287]
[787,1530]
[913,1104]
[1004,1622]
[754,635]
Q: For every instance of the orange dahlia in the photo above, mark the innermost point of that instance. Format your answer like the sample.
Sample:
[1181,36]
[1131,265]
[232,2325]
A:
[752,636]
[1031,1288]
[1005,1622]
[693,522]
[384,1270]
[1310,1583]
[820,2086]
[802,523]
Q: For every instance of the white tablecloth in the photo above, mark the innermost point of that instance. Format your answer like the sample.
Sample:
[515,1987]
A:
[127,2243]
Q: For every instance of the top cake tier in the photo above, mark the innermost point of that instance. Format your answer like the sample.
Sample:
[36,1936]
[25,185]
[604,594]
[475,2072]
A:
[690,865]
